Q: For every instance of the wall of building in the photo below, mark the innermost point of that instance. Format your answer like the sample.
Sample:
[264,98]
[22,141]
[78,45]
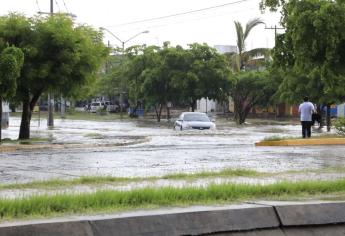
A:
[5,115]
[206,105]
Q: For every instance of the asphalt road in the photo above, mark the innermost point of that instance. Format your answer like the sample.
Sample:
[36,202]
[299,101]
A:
[132,148]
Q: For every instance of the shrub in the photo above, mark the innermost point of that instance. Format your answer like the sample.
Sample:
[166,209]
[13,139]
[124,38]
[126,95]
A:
[339,125]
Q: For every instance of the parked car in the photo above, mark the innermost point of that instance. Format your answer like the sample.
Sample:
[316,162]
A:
[112,107]
[194,120]
[97,106]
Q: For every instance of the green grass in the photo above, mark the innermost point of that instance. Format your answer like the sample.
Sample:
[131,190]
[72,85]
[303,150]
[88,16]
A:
[27,141]
[97,180]
[94,135]
[222,173]
[279,138]
[101,201]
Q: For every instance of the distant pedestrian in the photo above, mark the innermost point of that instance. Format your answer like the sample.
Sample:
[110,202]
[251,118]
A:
[306,110]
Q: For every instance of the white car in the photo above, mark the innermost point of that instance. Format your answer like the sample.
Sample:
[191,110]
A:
[96,106]
[111,107]
[194,120]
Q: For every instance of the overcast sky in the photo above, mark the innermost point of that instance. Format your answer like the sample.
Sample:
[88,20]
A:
[128,17]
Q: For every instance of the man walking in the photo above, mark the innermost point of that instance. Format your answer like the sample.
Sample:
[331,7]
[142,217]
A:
[306,109]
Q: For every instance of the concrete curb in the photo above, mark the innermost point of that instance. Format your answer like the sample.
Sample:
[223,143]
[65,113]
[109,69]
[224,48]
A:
[259,218]
[303,142]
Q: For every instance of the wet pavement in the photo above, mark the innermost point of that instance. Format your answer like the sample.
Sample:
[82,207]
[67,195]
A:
[139,149]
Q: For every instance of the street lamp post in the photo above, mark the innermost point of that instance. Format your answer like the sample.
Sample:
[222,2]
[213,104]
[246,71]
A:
[123,52]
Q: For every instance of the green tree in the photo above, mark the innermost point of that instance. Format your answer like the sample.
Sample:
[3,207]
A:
[11,62]
[163,66]
[59,56]
[250,89]
[311,52]
[242,35]
[111,82]
[174,74]
[139,58]
[207,75]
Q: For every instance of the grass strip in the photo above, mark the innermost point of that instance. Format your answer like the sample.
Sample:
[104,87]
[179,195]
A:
[159,197]
[223,173]
[87,180]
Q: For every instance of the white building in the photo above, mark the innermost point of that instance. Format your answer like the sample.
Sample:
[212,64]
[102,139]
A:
[222,49]
[5,115]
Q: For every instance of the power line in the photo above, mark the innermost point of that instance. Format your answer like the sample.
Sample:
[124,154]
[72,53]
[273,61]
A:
[38,6]
[180,14]
[64,3]
[57,4]
[159,25]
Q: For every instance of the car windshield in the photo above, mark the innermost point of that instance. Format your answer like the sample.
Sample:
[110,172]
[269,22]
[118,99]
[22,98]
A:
[95,104]
[196,117]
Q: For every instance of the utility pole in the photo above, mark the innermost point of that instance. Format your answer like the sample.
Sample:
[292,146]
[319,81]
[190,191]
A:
[121,99]
[50,120]
[275,28]
[275,42]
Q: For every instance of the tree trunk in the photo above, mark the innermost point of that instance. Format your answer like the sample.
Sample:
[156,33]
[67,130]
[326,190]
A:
[158,112]
[242,115]
[0,118]
[192,105]
[241,110]
[28,107]
[24,132]
[168,113]
[328,118]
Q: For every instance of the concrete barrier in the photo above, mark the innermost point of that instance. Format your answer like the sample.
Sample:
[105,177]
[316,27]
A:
[254,219]
[70,228]
[238,218]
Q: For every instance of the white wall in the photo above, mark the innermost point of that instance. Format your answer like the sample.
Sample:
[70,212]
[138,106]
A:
[341,110]
[5,115]
[205,105]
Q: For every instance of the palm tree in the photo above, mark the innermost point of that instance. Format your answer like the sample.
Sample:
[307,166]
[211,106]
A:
[241,37]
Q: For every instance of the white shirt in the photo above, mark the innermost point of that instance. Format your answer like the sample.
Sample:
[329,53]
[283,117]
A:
[306,110]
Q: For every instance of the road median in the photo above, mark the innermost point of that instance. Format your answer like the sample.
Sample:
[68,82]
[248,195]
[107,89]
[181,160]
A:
[302,142]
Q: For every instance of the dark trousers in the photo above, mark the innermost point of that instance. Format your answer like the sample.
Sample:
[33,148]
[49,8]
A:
[306,128]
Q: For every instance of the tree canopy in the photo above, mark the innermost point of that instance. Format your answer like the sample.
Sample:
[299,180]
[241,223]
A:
[242,35]
[311,53]
[173,74]
[250,89]
[58,56]
[11,62]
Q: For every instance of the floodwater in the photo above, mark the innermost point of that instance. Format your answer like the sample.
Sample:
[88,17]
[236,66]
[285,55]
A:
[141,149]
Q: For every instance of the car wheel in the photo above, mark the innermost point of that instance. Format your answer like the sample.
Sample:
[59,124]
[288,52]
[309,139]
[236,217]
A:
[181,127]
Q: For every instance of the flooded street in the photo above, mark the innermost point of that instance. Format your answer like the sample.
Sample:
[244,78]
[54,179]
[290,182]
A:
[139,149]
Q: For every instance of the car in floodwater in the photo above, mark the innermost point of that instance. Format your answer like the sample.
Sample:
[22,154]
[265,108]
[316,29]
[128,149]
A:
[194,120]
